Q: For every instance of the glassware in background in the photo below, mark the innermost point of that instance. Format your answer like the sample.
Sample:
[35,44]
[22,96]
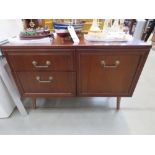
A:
[121,22]
[94,27]
[115,27]
[106,26]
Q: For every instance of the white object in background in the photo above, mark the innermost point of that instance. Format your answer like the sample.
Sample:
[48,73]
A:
[10,86]
[106,26]
[17,40]
[139,29]
[10,28]
[109,37]
[115,27]
[73,34]
[6,103]
[94,27]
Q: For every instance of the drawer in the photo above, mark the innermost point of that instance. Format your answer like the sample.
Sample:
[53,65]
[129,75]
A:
[105,74]
[42,60]
[53,83]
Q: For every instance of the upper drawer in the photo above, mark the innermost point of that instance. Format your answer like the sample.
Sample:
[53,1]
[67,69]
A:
[55,60]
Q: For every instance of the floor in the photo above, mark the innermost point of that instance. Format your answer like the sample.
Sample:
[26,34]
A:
[91,115]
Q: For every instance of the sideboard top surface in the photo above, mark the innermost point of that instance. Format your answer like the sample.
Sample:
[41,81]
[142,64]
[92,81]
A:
[61,43]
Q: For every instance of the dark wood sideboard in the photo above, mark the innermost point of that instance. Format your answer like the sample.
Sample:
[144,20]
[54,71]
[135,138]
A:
[61,68]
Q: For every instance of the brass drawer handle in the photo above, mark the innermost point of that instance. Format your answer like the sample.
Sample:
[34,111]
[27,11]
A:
[103,63]
[42,66]
[50,78]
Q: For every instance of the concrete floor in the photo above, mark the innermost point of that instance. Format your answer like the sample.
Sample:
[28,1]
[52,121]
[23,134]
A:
[91,115]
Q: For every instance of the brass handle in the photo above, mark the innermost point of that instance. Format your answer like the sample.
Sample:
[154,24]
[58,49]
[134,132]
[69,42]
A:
[103,63]
[42,66]
[50,78]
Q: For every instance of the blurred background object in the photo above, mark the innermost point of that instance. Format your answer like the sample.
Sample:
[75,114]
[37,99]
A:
[34,29]
[61,26]
[149,28]
[10,28]
[95,26]
[140,25]
[86,27]
[32,23]
[153,40]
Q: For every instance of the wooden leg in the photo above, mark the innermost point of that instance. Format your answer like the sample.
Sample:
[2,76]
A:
[118,102]
[33,102]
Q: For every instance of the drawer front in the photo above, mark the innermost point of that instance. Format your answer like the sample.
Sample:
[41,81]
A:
[32,61]
[53,83]
[107,74]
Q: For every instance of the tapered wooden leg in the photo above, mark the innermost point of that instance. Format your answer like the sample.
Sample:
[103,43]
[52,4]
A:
[33,102]
[118,102]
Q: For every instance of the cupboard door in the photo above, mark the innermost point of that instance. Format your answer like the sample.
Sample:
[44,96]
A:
[107,73]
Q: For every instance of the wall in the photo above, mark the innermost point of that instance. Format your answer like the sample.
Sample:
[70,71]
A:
[10,28]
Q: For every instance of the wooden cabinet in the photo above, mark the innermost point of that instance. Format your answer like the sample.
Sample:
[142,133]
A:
[87,69]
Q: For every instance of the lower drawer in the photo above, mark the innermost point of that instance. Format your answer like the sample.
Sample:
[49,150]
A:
[44,83]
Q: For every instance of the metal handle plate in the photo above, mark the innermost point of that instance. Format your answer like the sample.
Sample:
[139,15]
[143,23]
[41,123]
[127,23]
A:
[50,78]
[41,66]
[103,63]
